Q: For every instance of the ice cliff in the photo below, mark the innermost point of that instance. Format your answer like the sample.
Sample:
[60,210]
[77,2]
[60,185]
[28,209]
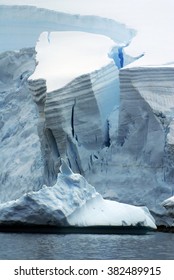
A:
[74,111]
[19,145]
[113,124]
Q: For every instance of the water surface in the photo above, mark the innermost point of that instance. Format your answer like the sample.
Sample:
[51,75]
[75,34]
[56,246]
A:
[86,246]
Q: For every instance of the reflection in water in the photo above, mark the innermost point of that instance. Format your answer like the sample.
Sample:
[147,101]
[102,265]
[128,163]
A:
[86,246]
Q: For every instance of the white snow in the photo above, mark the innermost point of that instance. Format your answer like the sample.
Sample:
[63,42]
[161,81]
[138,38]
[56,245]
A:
[99,211]
[67,55]
[72,201]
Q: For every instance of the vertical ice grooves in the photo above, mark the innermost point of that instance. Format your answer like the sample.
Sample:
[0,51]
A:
[52,142]
[72,155]
[107,137]
[72,118]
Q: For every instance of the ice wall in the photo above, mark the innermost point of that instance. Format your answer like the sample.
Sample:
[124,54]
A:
[146,116]
[20,157]
[138,167]
[72,123]
[132,162]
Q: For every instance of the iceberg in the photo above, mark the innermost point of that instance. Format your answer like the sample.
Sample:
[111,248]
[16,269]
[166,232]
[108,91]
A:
[112,121]
[168,204]
[72,202]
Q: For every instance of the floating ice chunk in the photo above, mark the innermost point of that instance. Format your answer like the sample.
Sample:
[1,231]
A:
[74,202]
[169,205]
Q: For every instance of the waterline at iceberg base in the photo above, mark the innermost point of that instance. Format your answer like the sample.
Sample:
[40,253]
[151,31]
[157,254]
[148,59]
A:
[72,205]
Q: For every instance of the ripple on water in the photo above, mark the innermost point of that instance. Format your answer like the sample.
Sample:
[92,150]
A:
[86,246]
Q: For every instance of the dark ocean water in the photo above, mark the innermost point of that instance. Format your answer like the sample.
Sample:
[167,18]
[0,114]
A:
[86,246]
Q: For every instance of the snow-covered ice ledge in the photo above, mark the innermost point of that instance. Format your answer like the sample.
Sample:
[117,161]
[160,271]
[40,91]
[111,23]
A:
[72,202]
[16,19]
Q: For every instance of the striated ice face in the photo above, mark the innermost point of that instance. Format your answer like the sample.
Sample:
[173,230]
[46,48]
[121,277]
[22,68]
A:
[29,159]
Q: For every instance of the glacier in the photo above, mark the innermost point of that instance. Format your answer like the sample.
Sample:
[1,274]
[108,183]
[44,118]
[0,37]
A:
[113,124]
[72,202]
